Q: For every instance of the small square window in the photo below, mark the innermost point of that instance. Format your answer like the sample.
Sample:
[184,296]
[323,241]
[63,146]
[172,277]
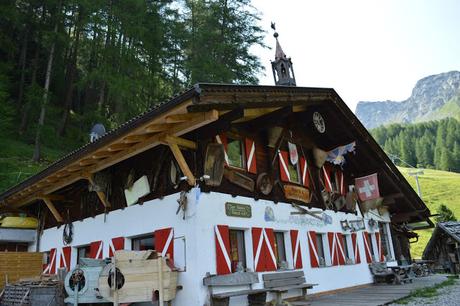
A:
[237,250]
[82,252]
[143,243]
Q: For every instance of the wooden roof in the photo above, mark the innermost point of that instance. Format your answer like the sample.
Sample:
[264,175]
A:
[207,103]
[450,228]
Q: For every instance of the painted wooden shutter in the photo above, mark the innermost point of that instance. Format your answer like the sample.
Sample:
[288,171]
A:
[116,244]
[305,176]
[332,238]
[223,263]
[95,250]
[222,139]
[258,249]
[354,242]
[296,250]
[367,247]
[341,248]
[65,257]
[314,259]
[379,246]
[326,174]
[250,148]
[270,260]
[341,182]
[263,243]
[51,266]
[283,163]
[164,242]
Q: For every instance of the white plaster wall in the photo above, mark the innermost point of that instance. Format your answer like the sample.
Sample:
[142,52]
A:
[203,213]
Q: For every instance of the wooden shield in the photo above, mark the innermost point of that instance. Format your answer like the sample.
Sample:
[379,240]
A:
[214,164]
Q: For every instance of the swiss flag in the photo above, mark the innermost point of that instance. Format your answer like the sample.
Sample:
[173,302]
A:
[367,187]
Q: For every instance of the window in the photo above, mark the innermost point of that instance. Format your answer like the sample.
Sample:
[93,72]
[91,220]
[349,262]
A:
[237,250]
[371,244]
[320,250]
[280,248]
[383,228]
[235,152]
[143,243]
[82,252]
[345,247]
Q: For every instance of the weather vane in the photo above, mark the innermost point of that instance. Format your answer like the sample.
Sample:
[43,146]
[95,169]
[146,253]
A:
[274,29]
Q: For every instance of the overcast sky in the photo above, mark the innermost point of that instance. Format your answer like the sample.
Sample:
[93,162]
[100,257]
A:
[366,50]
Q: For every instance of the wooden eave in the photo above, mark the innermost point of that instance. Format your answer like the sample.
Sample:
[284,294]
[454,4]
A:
[199,107]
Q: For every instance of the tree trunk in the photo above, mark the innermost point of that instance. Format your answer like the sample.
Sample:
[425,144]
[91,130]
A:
[41,120]
[33,81]
[22,64]
[70,78]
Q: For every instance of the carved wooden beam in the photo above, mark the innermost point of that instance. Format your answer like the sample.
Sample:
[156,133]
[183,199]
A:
[52,208]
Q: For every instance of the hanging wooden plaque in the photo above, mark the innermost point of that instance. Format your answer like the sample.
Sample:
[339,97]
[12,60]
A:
[297,193]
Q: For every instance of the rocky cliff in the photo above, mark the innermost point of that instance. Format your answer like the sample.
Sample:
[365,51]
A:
[433,97]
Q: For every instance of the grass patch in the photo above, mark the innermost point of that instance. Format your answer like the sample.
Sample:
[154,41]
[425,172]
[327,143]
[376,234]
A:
[438,187]
[428,292]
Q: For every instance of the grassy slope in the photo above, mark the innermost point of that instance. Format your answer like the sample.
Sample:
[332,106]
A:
[438,187]
[16,164]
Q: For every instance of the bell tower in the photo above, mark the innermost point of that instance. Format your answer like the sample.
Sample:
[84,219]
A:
[283,73]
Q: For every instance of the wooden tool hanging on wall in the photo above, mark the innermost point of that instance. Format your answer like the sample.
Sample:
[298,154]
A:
[214,164]
[239,179]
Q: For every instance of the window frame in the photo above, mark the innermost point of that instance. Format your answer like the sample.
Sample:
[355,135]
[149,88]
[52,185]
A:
[243,256]
[348,249]
[276,234]
[143,237]
[321,237]
[86,248]
[384,232]
[239,138]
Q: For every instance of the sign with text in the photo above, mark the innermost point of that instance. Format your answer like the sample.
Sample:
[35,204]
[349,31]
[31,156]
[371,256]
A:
[297,193]
[238,210]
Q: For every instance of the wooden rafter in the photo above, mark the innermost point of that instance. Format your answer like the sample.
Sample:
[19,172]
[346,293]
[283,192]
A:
[182,163]
[181,117]
[101,154]
[94,166]
[52,208]
[182,142]
[158,127]
[135,138]
[117,147]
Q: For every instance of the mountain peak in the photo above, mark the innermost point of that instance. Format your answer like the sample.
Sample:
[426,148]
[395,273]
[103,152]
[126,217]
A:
[429,99]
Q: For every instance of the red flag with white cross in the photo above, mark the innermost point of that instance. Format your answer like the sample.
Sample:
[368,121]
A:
[367,187]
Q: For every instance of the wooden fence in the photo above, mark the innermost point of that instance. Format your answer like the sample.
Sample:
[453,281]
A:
[16,265]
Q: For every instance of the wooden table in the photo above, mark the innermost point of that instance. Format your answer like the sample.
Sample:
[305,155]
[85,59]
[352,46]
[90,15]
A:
[403,273]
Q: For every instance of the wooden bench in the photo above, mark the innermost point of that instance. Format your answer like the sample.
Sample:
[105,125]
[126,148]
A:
[281,282]
[256,297]
[381,272]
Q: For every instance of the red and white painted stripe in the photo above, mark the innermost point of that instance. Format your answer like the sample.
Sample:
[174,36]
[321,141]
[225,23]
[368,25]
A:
[296,250]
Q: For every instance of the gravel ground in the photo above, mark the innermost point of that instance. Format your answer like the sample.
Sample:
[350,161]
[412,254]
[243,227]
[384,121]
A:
[447,296]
